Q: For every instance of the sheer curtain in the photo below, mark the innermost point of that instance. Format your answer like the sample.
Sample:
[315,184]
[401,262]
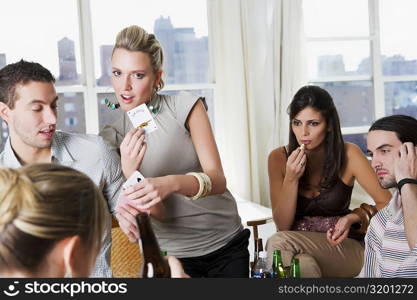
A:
[258,66]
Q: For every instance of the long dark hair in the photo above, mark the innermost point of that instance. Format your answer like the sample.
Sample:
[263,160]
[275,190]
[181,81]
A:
[320,100]
[405,127]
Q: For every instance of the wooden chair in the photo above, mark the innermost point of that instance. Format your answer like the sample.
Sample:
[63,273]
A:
[255,233]
[125,256]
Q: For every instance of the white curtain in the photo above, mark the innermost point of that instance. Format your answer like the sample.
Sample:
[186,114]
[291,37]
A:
[258,66]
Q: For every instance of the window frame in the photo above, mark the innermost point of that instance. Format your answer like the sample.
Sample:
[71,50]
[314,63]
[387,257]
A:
[376,77]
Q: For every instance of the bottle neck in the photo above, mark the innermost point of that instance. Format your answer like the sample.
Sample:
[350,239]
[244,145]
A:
[277,259]
[150,249]
[149,243]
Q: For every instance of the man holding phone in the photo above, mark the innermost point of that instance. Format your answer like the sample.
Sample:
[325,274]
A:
[390,244]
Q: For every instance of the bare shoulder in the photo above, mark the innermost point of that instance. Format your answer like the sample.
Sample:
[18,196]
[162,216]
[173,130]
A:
[353,151]
[356,160]
[277,157]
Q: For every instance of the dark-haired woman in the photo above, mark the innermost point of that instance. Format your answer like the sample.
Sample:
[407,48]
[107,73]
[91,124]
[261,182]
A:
[311,181]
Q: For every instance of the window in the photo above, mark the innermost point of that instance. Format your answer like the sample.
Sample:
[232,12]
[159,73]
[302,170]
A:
[361,52]
[77,50]
[29,35]
[69,119]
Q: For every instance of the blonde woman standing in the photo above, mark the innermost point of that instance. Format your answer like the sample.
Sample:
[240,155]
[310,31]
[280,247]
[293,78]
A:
[195,216]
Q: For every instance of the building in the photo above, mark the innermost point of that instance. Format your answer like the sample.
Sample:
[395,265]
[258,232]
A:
[186,56]
[353,100]
[71,105]
[105,63]
[67,62]
[165,33]
[331,65]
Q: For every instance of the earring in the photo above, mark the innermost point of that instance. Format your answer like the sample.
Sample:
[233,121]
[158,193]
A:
[111,105]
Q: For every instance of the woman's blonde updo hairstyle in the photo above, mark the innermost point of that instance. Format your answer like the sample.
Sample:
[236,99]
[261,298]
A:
[42,204]
[135,38]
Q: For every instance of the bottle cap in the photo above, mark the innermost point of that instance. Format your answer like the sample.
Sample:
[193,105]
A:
[263,254]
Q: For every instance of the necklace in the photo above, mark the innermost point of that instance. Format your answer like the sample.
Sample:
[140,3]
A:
[154,109]
[154,105]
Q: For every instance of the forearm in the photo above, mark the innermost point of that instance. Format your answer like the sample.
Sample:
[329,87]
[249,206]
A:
[127,171]
[409,202]
[286,204]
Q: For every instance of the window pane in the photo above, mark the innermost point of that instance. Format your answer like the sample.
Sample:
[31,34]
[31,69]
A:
[182,32]
[107,116]
[71,114]
[401,98]
[398,46]
[354,101]
[39,32]
[333,18]
[344,58]
[358,139]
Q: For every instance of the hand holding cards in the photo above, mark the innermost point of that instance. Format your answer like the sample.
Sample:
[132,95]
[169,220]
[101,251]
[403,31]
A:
[141,117]
[132,180]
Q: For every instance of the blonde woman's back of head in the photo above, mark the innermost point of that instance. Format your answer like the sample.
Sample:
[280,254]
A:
[41,205]
[135,38]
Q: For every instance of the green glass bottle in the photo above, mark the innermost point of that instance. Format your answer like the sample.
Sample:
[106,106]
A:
[295,268]
[277,266]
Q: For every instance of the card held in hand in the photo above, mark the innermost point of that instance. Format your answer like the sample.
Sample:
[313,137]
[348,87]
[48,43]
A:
[132,180]
[141,117]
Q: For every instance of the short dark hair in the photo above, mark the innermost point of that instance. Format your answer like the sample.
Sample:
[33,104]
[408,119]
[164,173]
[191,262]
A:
[320,100]
[20,73]
[405,127]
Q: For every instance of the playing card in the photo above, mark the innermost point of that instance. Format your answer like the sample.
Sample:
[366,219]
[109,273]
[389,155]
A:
[133,179]
[141,117]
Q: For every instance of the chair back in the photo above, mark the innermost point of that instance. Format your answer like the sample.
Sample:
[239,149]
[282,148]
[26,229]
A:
[125,256]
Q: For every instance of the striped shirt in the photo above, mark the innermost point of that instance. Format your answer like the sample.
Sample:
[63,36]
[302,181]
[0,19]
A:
[387,253]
